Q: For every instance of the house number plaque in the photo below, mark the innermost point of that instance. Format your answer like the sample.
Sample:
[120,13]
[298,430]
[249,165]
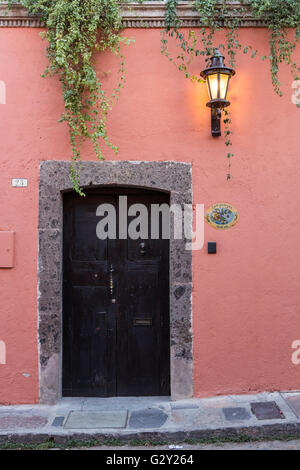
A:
[19,182]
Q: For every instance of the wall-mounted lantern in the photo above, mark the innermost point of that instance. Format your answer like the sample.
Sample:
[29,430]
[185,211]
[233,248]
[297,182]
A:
[217,77]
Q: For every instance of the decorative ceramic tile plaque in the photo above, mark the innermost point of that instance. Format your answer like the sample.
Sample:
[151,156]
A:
[221,215]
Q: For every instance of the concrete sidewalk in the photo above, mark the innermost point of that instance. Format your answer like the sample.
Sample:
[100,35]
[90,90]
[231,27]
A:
[265,415]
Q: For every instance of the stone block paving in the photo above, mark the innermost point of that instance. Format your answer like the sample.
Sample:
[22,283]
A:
[236,414]
[21,421]
[58,421]
[151,414]
[267,410]
[148,418]
[96,419]
[293,401]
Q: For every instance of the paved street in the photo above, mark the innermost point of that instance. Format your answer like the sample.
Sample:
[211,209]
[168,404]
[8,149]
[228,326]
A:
[266,445]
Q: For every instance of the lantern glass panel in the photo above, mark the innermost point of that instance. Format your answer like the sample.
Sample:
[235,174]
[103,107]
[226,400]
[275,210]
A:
[224,80]
[213,87]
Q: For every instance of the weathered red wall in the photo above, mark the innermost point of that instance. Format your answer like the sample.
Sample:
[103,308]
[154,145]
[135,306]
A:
[246,298]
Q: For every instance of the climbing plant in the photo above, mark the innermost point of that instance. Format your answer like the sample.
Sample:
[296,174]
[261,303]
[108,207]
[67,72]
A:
[280,16]
[75,30]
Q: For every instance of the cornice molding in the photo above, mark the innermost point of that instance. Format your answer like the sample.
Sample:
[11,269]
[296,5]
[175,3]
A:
[150,14]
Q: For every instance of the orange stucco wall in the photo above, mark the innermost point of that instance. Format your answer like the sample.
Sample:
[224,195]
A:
[246,299]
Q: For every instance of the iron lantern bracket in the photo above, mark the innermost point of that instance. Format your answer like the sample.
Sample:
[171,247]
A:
[216,114]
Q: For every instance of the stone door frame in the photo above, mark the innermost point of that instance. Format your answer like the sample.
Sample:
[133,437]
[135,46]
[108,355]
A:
[172,177]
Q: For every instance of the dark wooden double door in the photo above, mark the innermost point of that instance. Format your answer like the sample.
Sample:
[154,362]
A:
[115,302]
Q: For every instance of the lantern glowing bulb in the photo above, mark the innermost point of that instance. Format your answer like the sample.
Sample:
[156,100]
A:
[218,85]
[217,77]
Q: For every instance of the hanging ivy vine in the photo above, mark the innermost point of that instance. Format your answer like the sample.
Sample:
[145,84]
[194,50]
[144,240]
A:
[280,16]
[75,30]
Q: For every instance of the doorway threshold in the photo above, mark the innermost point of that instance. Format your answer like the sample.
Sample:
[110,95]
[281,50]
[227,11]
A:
[112,403]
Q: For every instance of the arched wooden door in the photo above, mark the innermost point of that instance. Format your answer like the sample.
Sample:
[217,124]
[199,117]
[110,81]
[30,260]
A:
[115,302]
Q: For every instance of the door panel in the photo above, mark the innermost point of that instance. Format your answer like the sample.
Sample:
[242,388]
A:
[116,303]
[91,349]
[139,347]
[86,246]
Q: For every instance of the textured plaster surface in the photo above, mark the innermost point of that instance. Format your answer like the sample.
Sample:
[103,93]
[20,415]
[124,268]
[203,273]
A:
[6,249]
[246,297]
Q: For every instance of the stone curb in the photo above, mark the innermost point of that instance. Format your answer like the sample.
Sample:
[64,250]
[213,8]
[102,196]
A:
[267,431]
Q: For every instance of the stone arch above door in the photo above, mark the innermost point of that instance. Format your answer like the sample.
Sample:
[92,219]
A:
[173,177]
